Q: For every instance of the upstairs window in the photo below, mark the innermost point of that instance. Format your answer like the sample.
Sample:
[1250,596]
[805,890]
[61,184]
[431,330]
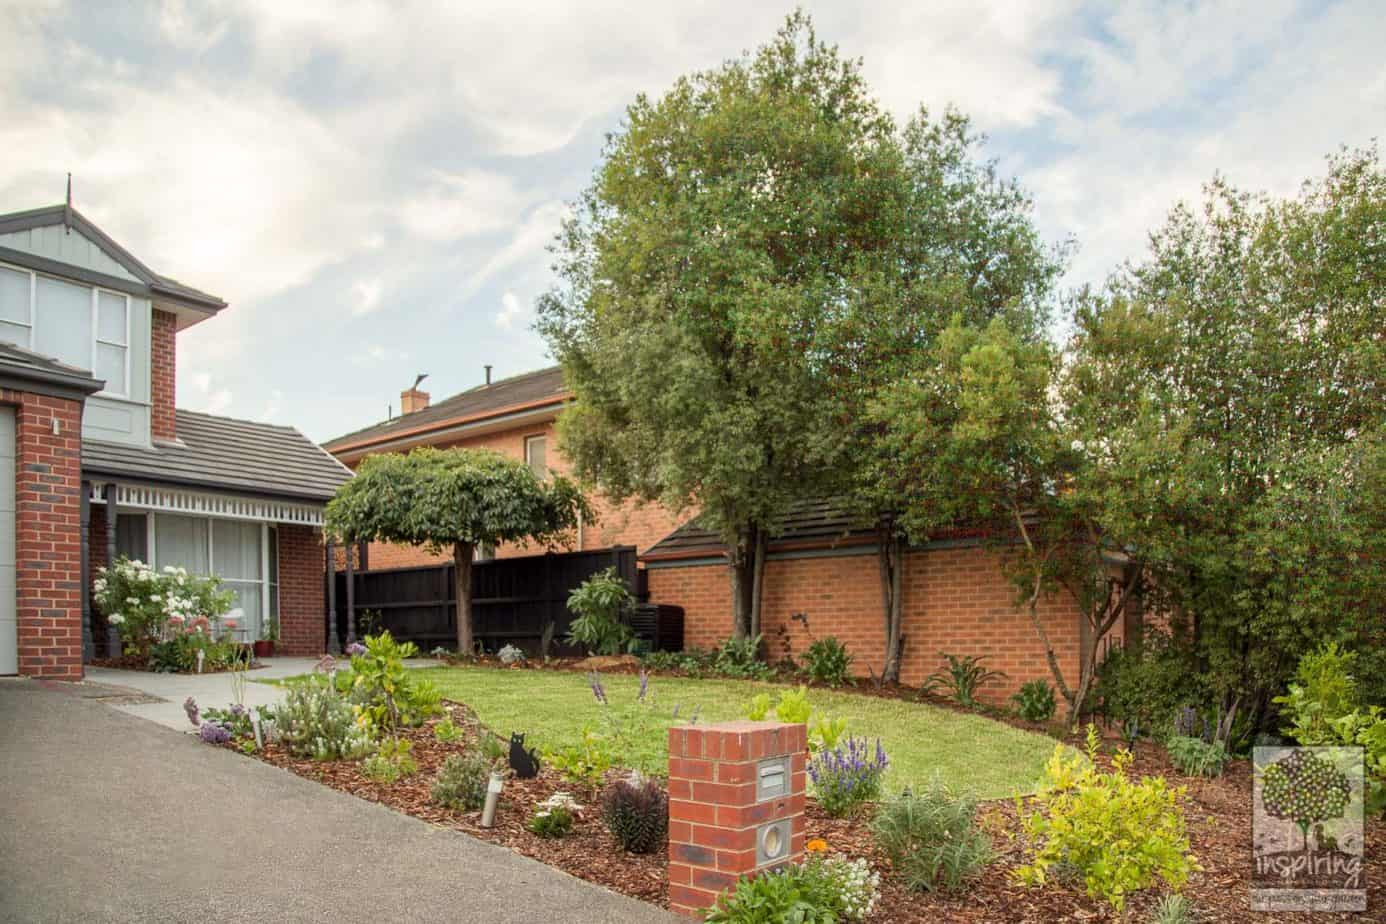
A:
[536,455]
[79,325]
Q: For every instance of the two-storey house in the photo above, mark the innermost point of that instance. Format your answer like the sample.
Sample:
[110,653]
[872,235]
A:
[515,416]
[97,461]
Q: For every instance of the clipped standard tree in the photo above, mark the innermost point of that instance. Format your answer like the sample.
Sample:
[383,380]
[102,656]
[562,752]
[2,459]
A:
[455,499]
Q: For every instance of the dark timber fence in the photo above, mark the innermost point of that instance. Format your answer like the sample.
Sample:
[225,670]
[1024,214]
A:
[513,599]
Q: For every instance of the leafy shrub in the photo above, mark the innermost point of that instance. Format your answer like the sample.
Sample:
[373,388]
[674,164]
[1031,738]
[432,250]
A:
[828,661]
[461,781]
[818,891]
[793,707]
[636,811]
[932,838]
[177,653]
[1120,836]
[1324,708]
[1150,685]
[600,604]
[553,817]
[316,721]
[584,763]
[391,694]
[150,606]
[445,732]
[740,658]
[1034,701]
[1173,909]
[235,719]
[847,776]
[1196,757]
[393,759]
[963,678]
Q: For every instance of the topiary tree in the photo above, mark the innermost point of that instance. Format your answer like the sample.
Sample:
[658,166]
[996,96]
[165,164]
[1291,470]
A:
[454,499]
[1305,789]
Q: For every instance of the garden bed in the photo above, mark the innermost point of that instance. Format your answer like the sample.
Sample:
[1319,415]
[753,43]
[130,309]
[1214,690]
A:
[1218,811]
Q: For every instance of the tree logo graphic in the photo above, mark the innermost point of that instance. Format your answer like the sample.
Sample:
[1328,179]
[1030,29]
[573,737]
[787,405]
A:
[1308,843]
[1306,789]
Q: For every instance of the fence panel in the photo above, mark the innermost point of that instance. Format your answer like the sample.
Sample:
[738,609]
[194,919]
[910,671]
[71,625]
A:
[513,599]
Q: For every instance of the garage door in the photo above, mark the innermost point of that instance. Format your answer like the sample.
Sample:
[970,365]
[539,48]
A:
[9,625]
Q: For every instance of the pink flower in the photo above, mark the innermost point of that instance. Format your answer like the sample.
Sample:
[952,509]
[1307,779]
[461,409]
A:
[229,623]
[176,620]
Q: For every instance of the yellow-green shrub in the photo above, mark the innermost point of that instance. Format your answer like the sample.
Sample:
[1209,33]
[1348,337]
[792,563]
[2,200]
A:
[1120,835]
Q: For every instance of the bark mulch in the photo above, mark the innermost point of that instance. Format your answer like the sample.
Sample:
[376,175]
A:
[1218,813]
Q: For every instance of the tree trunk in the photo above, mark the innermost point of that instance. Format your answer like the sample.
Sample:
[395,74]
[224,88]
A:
[741,580]
[890,558]
[462,577]
[758,549]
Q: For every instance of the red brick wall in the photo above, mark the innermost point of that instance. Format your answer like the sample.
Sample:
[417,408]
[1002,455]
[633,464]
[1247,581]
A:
[618,524]
[302,596]
[163,368]
[48,483]
[954,600]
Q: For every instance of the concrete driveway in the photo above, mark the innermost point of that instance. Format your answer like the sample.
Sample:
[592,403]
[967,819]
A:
[108,817]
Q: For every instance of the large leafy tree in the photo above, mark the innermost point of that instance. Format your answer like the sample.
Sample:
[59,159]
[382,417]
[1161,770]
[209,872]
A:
[1230,389]
[969,254]
[454,500]
[757,247]
[972,438]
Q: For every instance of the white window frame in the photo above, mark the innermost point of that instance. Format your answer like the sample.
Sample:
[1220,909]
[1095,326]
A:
[95,338]
[529,441]
[269,591]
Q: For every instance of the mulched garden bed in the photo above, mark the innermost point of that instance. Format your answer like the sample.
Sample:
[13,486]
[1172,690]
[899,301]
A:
[1218,812]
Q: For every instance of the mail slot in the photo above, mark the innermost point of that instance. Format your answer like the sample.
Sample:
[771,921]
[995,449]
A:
[772,778]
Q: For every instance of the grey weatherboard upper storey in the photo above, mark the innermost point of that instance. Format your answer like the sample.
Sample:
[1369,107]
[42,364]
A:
[219,453]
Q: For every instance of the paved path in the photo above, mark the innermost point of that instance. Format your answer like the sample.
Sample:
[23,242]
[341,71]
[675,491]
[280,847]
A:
[166,692]
[107,817]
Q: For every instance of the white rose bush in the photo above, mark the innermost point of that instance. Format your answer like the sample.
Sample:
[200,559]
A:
[165,615]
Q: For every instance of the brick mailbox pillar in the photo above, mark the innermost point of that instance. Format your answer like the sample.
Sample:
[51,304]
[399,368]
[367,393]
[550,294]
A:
[736,806]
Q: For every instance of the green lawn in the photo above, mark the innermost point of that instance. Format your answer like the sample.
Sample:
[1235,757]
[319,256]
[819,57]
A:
[971,752]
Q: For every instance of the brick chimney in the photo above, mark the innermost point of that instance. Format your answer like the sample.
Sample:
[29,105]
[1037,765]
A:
[411,400]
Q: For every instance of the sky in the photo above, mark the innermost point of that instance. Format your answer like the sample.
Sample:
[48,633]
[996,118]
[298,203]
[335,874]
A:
[373,186]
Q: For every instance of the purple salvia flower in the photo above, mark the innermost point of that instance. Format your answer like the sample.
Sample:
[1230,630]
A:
[237,709]
[644,686]
[693,719]
[194,715]
[677,707]
[212,733]
[599,691]
[355,648]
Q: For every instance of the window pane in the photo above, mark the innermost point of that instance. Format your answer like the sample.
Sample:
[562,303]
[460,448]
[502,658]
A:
[131,538]
[13,333]
[14,296]
[110,317]
[110,367]
[273,555]
[236,549]
[248,602]
[536,451]
[62,327]
[181,542]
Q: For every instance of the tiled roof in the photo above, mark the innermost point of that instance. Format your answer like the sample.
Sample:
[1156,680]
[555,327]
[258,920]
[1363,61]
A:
[230,455]
[532,388]
[808,521]
[30,367]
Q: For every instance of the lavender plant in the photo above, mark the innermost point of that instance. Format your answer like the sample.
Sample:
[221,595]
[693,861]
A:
[847,776]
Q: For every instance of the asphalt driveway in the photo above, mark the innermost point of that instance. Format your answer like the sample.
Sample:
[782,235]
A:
[108,817]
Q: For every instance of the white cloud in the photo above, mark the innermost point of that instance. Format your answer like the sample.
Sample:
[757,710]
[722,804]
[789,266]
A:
[464,204]
[510,310]
[270,414]
[367,293]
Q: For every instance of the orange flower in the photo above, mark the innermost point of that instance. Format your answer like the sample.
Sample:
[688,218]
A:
[817,845]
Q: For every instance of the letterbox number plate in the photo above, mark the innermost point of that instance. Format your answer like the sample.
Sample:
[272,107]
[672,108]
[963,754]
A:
[772,778]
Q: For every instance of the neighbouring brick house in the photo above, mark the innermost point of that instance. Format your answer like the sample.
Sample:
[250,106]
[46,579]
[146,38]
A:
[514,416]
[97,461]
[955,598]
